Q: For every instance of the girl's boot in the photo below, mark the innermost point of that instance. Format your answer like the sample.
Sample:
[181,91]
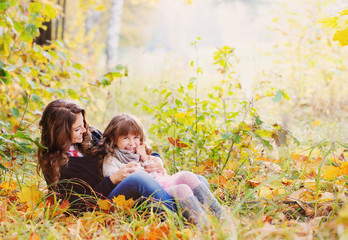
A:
[193,211]
[206,197]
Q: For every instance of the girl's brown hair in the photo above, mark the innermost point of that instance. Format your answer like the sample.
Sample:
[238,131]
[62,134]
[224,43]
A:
[120,125]
[56,136]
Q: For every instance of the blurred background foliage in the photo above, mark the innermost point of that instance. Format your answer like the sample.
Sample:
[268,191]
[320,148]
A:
[207,78]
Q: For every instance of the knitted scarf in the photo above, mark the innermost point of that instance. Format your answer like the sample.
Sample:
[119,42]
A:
[125,156]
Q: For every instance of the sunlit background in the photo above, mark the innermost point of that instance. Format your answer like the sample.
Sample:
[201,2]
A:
[280,43]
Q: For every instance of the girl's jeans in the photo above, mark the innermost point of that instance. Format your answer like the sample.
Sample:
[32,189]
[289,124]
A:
[142,184]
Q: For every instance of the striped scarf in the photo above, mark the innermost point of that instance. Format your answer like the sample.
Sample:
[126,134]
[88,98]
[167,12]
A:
[125,156]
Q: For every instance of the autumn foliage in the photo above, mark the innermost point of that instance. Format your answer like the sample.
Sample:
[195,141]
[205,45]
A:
[273,184]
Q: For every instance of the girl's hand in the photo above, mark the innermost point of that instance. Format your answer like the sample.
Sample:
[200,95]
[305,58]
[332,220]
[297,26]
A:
[141,150]
[155,165]
[124,172]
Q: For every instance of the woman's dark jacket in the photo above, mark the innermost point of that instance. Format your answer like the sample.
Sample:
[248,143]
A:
[80,181]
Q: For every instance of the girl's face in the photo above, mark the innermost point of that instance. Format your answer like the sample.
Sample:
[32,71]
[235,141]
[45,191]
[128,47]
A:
[78,129]
[128,142]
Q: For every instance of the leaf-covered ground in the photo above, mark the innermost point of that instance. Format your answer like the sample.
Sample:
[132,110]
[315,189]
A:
[302,196]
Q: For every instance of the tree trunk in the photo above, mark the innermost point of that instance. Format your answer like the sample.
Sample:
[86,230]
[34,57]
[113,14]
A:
[113,33]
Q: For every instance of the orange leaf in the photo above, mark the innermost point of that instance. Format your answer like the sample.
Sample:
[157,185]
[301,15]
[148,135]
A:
[171,140]
[3,209]
[180,144]
[287,182]
[267,219]
[177,142]
[64,205]
[34,236]
[253,183]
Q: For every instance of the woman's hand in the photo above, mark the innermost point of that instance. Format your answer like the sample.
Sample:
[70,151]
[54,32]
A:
[124,172]
[155,165]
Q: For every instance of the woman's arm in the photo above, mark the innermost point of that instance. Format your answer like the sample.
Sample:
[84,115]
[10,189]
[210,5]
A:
[124,172]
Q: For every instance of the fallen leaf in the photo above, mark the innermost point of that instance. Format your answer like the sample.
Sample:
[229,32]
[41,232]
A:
[8,186]
[3,209]
[330,172]
[229,173]
[104,204]
[303,195]
[253,183]
[344,169]
[310,184]
[326,196]
[34,236]
[31,196]
[123,204]
[287,182]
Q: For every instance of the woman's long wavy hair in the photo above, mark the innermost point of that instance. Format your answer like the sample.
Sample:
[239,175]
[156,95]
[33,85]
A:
[56,136]
[120,125]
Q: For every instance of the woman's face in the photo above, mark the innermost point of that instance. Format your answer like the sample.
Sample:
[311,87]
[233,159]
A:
[78,129]
[128,142]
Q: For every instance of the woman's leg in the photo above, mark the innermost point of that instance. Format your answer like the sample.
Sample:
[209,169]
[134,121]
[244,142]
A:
[142,184]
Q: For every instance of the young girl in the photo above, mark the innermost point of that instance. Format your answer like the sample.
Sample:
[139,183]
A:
[124,141]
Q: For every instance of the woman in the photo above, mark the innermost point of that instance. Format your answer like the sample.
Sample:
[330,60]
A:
[72,170]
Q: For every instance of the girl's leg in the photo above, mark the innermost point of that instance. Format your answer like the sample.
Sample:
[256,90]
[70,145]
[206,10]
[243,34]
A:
[203,180]
[191,207]
[200,191]
[186,177]
[142,184]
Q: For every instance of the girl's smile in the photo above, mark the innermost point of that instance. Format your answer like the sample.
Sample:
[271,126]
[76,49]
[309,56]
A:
[128,142]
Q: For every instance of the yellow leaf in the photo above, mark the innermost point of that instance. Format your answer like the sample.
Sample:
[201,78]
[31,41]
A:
[266,192]
[344,12]
[330,22]
[8,186]
[310,184]
[122,203]
[198,169]
[275,20]
[179,115]
[100,8]
[31,196]
[316,123]
[330,172]
[104,204]
[342,37]
[344,169]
